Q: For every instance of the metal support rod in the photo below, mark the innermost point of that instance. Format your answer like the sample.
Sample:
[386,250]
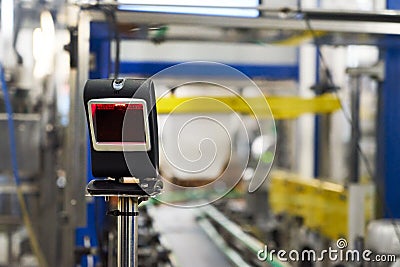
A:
[323,169]
[127,232]
[10,255]
[355,130]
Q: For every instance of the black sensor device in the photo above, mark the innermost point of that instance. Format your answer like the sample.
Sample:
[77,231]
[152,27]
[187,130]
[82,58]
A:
[122,121]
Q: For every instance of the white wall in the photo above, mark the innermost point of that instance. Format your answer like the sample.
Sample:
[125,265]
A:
[354,4]
[208,51]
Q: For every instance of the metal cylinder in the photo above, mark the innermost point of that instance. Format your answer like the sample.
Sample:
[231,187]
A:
[127,232]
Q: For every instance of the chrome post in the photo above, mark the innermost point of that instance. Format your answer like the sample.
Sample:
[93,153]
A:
[127,232]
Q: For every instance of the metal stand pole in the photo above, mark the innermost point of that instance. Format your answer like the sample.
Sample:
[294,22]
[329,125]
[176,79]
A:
[127,232]
[355,130]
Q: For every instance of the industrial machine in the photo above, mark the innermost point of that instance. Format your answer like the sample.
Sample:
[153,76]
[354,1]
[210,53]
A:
[335,168]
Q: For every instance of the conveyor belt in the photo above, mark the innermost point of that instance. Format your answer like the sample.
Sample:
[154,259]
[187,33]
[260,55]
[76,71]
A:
[188,242]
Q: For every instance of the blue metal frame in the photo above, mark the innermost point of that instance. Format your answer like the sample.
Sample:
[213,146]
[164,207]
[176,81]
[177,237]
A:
[100,47]
[317,122]
[272,72]
[388,134]
[393,4]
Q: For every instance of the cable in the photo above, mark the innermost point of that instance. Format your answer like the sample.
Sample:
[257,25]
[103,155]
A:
[117,45]
[113,27]
[320,55]
[19,19]
[24,210]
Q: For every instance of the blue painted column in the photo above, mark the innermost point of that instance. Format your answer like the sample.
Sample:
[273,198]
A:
[100,50]
[393,4]
[388,153]
[317,121]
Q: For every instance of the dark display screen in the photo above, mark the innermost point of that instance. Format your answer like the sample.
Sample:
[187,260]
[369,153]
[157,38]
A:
[111,122]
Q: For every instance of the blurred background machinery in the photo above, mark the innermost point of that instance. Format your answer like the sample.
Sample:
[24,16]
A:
[328,70]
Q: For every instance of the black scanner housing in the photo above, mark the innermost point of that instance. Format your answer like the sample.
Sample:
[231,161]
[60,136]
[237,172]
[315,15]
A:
[142,164]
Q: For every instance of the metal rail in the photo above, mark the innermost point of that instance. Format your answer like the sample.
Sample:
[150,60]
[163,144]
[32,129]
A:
[235,231]
[284,107]
[386,22]
[213,234]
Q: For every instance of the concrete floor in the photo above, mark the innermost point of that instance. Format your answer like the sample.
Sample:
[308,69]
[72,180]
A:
[190,245]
